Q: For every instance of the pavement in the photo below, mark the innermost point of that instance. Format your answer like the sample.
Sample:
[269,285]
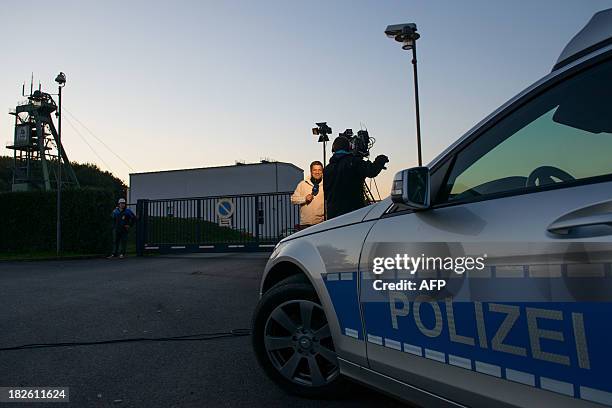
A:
[96,299]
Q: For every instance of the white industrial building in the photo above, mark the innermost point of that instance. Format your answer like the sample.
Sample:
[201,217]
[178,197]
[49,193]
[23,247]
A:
[264,177]
[253,199]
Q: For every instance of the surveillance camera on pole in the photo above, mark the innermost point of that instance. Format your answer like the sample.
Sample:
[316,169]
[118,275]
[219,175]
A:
[407,35]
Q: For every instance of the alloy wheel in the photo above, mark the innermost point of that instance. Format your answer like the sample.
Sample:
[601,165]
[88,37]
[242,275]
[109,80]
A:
[299,343]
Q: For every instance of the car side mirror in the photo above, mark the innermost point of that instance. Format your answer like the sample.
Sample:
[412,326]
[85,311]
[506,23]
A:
[411,188]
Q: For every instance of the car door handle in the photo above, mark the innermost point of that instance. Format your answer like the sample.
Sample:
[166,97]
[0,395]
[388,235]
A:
[596,214]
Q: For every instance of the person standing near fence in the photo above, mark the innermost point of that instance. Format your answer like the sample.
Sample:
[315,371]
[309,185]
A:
[123,219]
[309,196]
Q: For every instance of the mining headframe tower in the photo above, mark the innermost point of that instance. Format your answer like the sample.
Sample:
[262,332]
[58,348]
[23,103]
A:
[37,150]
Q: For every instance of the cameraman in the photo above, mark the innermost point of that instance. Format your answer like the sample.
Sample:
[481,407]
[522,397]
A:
[344,178]
[309,196]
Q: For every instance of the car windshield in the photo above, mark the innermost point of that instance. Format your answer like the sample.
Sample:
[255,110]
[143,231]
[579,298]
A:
[562,135]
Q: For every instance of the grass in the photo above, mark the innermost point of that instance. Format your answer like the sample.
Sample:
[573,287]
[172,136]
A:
[40,255]
[162,230]
[43,255]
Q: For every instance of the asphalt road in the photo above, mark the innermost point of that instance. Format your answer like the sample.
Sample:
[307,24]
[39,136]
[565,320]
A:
[91,300]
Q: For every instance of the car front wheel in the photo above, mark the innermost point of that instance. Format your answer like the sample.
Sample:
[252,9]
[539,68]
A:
[293,342]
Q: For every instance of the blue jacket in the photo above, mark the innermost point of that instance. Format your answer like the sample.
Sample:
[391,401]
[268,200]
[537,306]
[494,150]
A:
[122,218]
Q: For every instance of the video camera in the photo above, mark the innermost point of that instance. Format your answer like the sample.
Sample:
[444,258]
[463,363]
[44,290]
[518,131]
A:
[361,143]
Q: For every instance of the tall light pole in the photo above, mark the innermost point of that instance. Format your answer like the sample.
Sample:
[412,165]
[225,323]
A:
[61,82]
[322,130]
[407,35]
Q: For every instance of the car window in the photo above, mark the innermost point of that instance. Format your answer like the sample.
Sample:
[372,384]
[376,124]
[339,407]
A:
[564,134]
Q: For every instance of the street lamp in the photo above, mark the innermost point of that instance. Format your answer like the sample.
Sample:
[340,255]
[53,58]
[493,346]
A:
[61,82]
[407,35]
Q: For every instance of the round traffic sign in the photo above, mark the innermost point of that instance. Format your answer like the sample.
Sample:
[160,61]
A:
[225,208]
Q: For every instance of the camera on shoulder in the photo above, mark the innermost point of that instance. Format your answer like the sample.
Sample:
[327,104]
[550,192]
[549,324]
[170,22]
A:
[361,143]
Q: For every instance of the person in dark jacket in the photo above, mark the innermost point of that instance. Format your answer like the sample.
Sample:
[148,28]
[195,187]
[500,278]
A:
[344,177]
[123,219]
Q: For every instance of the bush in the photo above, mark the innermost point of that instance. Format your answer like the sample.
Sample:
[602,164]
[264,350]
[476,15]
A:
[28,221]
[89,176]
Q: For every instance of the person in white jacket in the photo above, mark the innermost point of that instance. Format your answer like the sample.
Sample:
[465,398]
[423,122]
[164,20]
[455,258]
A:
[309,196]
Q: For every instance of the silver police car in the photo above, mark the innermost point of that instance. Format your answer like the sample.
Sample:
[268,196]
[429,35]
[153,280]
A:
[529,188]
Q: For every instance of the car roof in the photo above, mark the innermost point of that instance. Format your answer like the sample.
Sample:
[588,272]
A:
[596,33]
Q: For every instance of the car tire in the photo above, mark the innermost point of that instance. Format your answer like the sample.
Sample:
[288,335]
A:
[293,352]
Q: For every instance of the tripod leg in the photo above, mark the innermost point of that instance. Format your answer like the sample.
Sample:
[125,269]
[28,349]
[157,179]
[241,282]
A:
[368,193]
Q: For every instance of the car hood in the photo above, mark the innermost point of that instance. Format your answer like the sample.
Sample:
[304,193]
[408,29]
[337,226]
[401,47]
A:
[370,212]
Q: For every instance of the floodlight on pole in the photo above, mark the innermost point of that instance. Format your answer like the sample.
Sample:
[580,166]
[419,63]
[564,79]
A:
[61,82]
[323,130]
[61,79]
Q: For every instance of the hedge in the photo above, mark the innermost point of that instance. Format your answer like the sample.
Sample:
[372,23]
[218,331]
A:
[28,221]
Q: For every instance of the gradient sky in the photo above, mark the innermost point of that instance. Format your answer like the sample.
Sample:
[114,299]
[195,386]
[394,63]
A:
[184,84]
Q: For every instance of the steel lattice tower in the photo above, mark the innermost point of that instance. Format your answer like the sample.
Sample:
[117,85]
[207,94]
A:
[36,147]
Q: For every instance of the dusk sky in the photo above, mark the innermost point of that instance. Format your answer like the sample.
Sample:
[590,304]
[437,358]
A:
[170,85]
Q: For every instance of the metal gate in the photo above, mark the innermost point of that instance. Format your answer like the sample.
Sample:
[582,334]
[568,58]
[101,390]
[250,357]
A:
[251,222]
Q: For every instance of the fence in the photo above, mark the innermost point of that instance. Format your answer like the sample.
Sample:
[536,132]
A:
[251,222]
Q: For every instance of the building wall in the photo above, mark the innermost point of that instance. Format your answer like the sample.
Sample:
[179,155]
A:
[215,181]
[278,215]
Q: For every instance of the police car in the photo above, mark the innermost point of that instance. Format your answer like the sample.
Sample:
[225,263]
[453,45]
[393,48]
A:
[528,190]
